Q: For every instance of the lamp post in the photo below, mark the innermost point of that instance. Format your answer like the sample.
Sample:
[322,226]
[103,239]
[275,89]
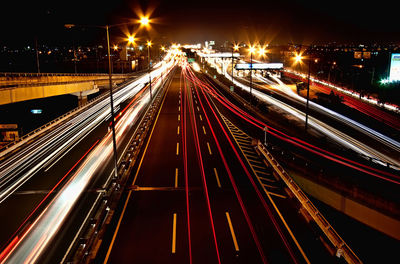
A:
[162,77]
[298,59]
[234,48]
[251,50]
[143,21]
[148,58]
[112,104]
[107,27]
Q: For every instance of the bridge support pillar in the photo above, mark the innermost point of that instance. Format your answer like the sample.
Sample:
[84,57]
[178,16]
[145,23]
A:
[82,96]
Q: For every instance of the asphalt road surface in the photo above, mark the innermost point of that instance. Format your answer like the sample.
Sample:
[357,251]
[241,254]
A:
[201,194]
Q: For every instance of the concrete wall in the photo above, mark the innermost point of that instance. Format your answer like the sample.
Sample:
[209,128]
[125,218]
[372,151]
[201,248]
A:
[375,219]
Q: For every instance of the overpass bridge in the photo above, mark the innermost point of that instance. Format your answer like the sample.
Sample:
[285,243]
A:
[17,87]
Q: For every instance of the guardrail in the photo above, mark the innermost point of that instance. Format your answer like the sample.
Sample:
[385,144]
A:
[342,249]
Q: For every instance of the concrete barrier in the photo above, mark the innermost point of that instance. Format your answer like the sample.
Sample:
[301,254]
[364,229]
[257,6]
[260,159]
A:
[342,249]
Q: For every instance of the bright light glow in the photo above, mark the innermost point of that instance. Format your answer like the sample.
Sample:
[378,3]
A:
[298,58]
[236,47]
[252,49]
[115,47]
[131,40]
[149,43]
[261,51]
[144,21]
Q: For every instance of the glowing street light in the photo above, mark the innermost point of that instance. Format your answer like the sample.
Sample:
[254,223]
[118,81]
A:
[234,48]
[252,50]
[144,21]
[131,40]
[299,59]
[262,51]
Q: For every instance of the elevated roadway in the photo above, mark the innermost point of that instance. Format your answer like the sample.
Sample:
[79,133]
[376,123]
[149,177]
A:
[17,87]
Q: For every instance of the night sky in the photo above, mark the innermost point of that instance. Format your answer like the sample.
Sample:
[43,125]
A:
[195,21]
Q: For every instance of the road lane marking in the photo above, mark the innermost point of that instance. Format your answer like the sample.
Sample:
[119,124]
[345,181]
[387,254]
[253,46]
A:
[178,130]
[259,167]
[270,198]
[198,109]
[265,179]
[209,149]
[251,160]
[174,235]
[179,117]
[176,178]
[204,130]
[179,108]
[275,194]
[201,119]
[235,243]
[262,172]
[177,148]
[216,176]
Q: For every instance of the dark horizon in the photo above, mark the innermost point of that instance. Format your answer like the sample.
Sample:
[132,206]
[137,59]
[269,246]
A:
[177,21]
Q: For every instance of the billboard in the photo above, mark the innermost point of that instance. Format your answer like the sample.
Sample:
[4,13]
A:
[394,74]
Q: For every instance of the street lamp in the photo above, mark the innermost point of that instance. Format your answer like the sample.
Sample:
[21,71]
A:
[252,49]
[148,57]
[162,77]
[234,48]
[131,40]
[107,27]
[144,21]
[299,59]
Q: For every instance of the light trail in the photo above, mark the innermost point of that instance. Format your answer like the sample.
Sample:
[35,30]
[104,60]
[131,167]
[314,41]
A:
[232,180]
[259,195]
[42,232]
[266,207]
[324,128]
[201,165]
[300,143]
[185,162]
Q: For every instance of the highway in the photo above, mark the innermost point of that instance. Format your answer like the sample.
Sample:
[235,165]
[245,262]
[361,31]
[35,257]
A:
[73,154]
[201,194]
[385,153]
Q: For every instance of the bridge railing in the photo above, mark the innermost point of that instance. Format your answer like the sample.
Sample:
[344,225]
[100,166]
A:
[4,148]
[33,74]
[342,249]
